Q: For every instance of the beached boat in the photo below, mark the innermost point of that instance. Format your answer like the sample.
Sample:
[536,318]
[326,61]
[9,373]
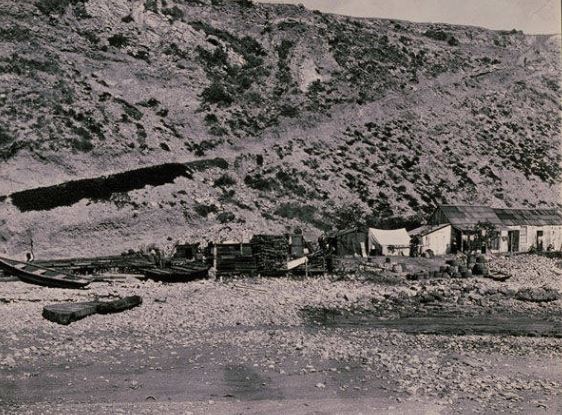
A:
[183,273]
[36,274]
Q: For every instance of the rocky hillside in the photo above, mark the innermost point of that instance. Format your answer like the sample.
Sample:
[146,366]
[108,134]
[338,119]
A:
[287,113]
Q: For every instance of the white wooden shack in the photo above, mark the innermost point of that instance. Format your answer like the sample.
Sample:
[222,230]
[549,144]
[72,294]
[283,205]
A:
[435,238]
[520,230]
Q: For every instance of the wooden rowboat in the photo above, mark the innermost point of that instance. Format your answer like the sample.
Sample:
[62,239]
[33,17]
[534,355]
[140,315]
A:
[184,273]
[36,274]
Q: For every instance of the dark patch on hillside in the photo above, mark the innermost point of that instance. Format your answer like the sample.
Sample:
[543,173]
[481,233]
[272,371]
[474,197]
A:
[102,188]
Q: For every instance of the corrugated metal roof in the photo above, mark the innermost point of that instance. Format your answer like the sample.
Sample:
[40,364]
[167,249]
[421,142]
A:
[469,215]
[463,216]
[427,229]
[533,217]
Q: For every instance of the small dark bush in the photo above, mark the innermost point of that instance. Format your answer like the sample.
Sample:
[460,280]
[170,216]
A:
[150,103]
[118,40]
[288,111]
[129,109]
[226,217]
[15,34]
[151,5]
[217,94]
[260,182]
[5,137]
[82,144]
[245,3]
[175,13]
[54,6]
[224,181]
[205,210]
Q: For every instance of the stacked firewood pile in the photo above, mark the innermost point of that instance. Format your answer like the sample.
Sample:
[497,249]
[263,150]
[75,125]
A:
[270,252]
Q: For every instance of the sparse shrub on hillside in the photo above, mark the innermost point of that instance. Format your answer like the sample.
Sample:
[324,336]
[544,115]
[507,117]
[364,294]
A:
[118,40]
[283,72]
[348,216]
[6,137]
[204,145]
[15,34]
[552,84]
[140,54]
[205,210]
[375,220]
[82,144]
[289,111]
[217,94]
[215,127]
[89,36]
[149,103]
[217,58]
[21,65]
[226,217]
[80,11]
[224,181]
[290,181]
[245,3]
[260,182]
[436,34]
[175,13]
[151,5]
[55,6]
[129,109]
[304,213]
[121,199]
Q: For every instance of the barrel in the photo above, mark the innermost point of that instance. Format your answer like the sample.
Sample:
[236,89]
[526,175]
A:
[479,269]
[481,259]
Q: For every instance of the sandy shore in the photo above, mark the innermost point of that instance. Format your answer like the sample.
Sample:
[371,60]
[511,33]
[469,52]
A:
[287,346]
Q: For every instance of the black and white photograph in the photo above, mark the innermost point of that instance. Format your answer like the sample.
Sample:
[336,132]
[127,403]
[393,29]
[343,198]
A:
[280,207]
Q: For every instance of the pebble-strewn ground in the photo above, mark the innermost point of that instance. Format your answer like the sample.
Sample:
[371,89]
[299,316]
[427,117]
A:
[251,346]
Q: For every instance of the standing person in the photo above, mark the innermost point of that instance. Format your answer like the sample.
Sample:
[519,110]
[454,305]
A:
[29,256]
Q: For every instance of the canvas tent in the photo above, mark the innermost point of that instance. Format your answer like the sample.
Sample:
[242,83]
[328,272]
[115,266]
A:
[389,242]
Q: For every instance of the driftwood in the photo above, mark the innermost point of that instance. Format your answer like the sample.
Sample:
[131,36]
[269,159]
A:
[66,313]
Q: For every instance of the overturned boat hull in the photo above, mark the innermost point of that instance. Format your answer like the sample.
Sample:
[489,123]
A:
[38,275]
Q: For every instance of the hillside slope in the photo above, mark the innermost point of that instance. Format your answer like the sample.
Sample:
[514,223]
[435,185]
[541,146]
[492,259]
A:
[307,112]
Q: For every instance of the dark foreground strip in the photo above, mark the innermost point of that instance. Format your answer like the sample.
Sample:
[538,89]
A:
[445,324]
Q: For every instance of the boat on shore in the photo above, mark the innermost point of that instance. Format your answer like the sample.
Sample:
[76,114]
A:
[177,273]
[38,275]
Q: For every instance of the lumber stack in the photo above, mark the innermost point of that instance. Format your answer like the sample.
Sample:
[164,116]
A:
[270,252]
[233,259]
